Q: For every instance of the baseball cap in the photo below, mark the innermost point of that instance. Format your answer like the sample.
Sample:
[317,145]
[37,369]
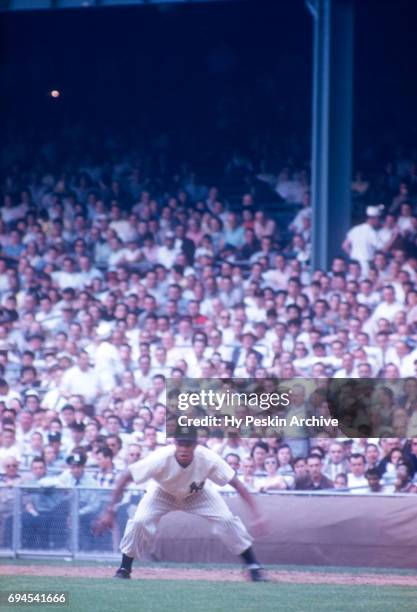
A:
[76,459]
[374,211]
[190,272]
[32,393]
[186,434]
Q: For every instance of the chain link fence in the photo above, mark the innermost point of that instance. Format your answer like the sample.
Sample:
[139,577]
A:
[57,521]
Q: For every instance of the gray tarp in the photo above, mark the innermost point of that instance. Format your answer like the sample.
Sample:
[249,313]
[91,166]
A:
[350,530]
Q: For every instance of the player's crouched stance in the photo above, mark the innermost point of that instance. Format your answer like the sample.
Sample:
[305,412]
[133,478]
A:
[180,473]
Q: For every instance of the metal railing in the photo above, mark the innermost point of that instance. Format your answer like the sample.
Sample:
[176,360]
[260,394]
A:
[58,522]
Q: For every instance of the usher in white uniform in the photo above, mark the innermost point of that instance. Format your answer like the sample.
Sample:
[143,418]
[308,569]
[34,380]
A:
[188,489]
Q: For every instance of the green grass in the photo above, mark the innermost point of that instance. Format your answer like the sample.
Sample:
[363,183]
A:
[181,596]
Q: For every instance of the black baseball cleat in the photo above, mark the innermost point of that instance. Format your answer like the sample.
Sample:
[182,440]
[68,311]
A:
[122,573]
[256,573]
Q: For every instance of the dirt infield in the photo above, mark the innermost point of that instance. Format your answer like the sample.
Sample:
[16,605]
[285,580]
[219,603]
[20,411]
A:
[223,575]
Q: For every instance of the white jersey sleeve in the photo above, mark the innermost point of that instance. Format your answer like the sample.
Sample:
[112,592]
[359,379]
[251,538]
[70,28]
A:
[150,467]
[220,472]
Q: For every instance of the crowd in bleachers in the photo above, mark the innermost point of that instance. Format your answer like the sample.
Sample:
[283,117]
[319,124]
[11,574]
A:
[112,281]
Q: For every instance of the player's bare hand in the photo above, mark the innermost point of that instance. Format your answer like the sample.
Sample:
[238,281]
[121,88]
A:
[259,525]
[103,523]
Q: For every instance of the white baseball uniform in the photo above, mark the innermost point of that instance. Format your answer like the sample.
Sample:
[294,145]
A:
[182,488]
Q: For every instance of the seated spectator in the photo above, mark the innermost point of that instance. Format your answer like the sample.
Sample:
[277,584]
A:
[234,461]
[42,525]
[356,479]
[403,483]
[9,446]
[233,443]
[88,499]
[335,463]
[9,479]
[315,479]
[248,474]
[258,454]
[81,379]
[273,480]
[374,481]
[115,444]
[372,456]
[77,435]
[10,476]
[33,449]
[341,482]
[150,440]
[300,468]
[284,457]
[393,459]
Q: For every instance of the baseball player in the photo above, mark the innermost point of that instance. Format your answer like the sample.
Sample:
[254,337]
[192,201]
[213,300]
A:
[181,476]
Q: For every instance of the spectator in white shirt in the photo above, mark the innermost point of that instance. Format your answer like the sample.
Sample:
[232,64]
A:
[225,327]
[348,367]
[81,379]
[388,307]
[168,253]
[388,232]
[362,240]
[357,481]
[9,447]
[67,277]
[87,272]
[367,295]
[405,220]
[215,345]
[402,356]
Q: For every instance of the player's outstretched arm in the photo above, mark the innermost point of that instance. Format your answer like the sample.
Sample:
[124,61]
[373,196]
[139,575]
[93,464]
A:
[121,484]
[244,494]
[259,522]
[105,521]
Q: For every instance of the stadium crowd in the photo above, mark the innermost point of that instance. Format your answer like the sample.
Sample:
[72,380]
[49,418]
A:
[111,282]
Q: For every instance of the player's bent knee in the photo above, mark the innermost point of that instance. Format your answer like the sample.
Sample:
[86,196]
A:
[144,525]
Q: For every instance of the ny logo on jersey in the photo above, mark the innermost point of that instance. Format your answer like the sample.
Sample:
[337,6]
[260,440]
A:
[195,487]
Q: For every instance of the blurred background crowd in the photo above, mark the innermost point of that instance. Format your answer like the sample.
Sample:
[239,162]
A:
[155,222]
[115,277]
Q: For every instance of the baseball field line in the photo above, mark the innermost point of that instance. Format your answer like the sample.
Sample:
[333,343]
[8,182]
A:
[213,575]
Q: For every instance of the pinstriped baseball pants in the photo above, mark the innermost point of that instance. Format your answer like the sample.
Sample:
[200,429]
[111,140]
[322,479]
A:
[141,529]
